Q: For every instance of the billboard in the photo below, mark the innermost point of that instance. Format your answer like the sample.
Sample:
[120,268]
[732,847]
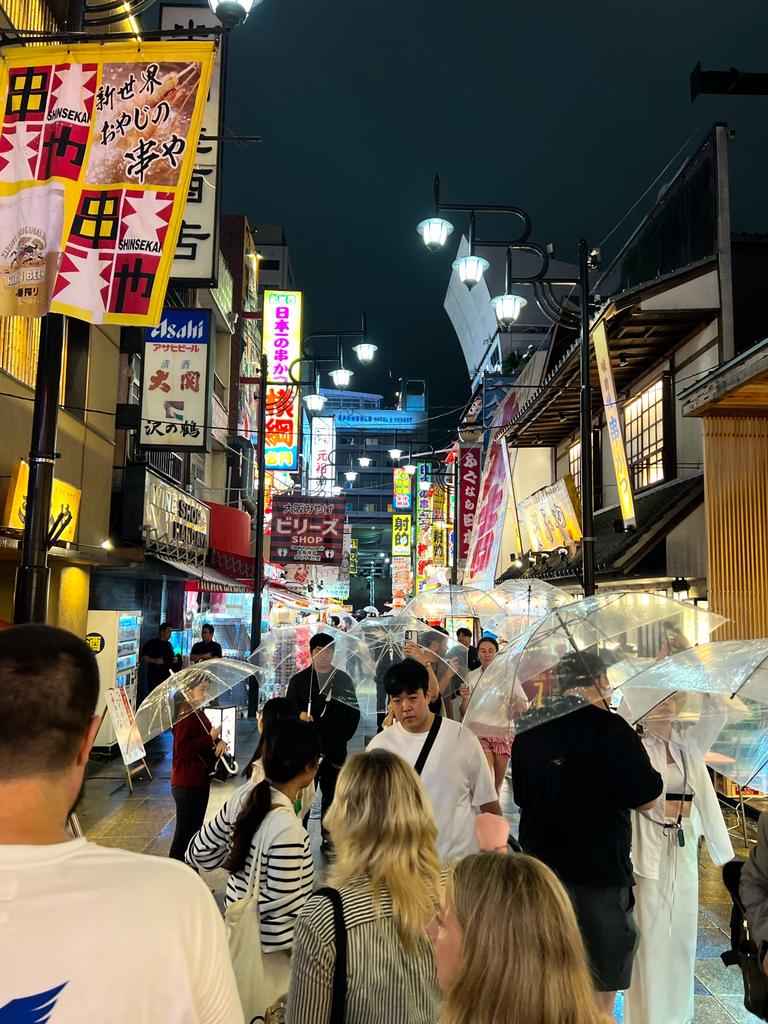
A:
[307,530]
[322,473]
[401,490]
[97,146]
[282,344]
[175,385]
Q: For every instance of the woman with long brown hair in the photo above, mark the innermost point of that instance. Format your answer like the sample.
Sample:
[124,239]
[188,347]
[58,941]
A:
[387,875]
[507,946]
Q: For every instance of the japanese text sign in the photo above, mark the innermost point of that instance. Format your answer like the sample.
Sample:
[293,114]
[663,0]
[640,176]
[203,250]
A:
[175,393]
[613,420]
[353,556]
[401,534]
[96,151]
[282,344]
[322,476]
[307,530]
[401,489]
[439,546]
[424,520]
[124,724]
[488,528]
[64,498]
[552,515]
[469,495]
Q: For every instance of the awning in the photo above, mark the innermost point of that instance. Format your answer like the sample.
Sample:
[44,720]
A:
[182,568]
[217,582]
[618,553]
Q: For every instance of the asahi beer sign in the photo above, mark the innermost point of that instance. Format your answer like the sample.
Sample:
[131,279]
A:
[175,392]
[175,523]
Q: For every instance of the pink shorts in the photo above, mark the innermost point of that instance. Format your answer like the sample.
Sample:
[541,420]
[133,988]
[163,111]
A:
[496,745]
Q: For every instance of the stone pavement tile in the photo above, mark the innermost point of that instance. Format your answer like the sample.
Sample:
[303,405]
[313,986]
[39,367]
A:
[708,1010]
[712,940]
[719,979]
[735,1006]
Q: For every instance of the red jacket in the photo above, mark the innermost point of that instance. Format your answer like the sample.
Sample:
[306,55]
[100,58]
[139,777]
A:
[192,751]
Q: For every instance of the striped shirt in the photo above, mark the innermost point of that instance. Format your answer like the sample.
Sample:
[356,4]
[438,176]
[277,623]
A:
[385,985]
[286,871]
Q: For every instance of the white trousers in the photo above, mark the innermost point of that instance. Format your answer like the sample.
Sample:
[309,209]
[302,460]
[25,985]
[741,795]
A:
[667,911]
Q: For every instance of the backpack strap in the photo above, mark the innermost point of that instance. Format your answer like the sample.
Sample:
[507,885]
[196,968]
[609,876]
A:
[429,742]
[339,997]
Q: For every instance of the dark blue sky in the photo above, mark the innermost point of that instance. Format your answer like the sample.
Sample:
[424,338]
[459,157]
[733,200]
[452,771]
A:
[569,110]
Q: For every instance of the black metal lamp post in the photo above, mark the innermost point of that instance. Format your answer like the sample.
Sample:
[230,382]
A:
[435,231]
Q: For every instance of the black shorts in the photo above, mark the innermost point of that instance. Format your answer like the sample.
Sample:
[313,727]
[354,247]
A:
[607,921]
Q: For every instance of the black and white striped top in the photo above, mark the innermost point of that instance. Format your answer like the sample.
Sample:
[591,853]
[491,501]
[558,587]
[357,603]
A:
[287,871]
[385,985]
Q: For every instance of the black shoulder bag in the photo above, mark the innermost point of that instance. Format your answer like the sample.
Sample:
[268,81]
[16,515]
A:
[429,742]
[339,997]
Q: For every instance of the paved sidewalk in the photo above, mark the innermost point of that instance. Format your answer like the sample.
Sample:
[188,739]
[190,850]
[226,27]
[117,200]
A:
[143,821]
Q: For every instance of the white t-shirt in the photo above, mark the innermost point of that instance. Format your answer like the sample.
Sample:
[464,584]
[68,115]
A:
[97,934]
[456,778]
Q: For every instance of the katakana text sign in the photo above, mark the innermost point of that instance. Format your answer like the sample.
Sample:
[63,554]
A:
[307,530]
[97,146]
[282,344]
[175,391]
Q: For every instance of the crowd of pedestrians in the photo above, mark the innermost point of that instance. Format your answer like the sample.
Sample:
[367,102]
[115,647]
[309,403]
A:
[416,923]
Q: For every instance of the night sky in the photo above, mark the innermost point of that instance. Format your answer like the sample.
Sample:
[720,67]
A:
[568,110]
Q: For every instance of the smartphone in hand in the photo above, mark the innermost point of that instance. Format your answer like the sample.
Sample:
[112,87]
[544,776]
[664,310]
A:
[411,636]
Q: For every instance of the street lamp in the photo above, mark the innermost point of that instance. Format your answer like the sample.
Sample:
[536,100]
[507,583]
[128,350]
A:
[364,461]
[313,399]
[395,454]
[232,13]
[351,475]
[341,376]
[365,351]
[470,269]
[409,468]
[336,490]
[507,307]
[435,232]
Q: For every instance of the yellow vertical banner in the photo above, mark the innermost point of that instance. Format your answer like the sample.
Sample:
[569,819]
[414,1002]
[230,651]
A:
[613,420]
[97,146]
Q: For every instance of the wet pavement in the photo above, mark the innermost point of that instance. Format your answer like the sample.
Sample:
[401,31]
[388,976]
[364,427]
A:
[143,821]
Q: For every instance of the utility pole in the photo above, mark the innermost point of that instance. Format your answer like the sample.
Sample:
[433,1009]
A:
[30,599]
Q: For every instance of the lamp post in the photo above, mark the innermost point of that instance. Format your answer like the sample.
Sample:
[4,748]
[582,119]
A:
[435,232]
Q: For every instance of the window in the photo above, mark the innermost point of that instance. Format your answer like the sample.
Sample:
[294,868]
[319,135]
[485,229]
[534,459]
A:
[574,464]
[644,430]
[19,344]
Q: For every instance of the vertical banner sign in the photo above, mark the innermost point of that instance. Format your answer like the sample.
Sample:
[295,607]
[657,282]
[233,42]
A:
[401,490]
[353,556]
[282,344]
[484,545]
[175,391]
[612,418]
[401,534]
[307,530]
[197,249]
[439,546]
[469,494]
[322,471]
[439,503]
[424,520]
[402,580]
[124,724]
[97,147]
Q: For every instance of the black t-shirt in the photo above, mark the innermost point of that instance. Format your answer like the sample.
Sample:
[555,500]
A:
[333,705]
[206,647]
[157,648]
[575,779]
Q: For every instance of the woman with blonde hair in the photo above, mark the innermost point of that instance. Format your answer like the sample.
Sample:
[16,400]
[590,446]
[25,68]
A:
[508,948]
[360,951]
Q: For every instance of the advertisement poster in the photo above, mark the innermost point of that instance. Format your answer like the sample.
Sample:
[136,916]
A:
[307,530]
[469,494]
[613,420]
[175,391]
[401,535]
[552,515]
[401,496]
[97,146]
[485,543]
[281,337]
[402,579]
[124,724]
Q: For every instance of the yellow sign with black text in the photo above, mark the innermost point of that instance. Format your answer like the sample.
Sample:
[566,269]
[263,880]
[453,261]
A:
[64,500]
[401,535]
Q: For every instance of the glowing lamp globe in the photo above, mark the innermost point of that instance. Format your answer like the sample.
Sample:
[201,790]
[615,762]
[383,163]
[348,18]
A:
[314,401]
[232,13]
[351,475]
[341,376]
[395,453]
[410,469]
[470,269]
[364,461]
[364,351]
[507,308]
[434,232]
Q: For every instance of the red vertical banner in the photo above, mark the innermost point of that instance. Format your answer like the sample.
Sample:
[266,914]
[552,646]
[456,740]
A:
[469,495]
[486,538]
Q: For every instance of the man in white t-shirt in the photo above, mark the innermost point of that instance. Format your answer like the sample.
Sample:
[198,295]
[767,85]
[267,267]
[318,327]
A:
[87,933]
[455,774]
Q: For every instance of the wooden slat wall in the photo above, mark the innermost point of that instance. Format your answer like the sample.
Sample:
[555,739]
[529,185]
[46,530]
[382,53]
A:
[736,494]
[29,14]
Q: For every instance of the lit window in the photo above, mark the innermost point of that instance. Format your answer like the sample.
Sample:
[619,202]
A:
[644,436]
[574,464]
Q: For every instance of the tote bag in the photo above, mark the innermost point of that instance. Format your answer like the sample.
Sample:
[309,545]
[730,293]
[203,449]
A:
[261,977]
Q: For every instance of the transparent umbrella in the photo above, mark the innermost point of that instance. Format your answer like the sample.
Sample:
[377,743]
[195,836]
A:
[625,628]
[453,602]
[186,692]
[524,603]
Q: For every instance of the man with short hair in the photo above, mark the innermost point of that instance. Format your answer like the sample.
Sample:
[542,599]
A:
[59,895]
[577,771]
[325,696]
[159,657]
[206,648]
[464,636]
[455,771]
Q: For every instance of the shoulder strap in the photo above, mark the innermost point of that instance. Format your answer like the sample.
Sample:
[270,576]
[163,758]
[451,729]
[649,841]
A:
[429,742]
[339,997]
[254,876]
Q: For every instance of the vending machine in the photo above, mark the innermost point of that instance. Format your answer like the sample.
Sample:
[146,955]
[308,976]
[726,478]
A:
[114,639]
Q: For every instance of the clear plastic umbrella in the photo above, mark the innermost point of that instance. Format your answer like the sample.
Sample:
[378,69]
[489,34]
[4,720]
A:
[524,603]
[625,628]
[285,651]
[186,692]
[453,602]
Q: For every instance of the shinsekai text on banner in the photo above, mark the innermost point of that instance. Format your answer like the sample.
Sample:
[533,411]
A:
[97,146]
